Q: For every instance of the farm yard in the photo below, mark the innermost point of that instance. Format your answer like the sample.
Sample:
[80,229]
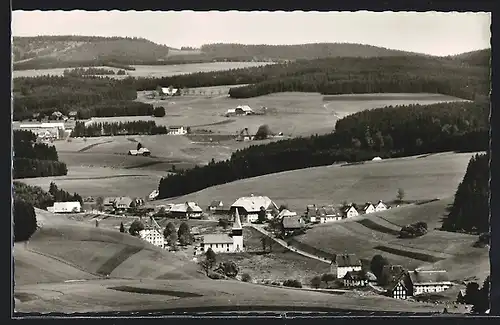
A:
[151,71]
[433,176]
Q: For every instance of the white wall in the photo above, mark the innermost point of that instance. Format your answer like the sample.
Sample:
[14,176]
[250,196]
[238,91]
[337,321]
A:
[219,248]
[153,236]
[419,289]
[341,271]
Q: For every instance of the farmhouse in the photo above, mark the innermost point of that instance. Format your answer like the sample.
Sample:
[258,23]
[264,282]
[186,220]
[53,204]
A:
[250,206]
[215,205]
[368,208]
[224,243]
[327,214]
[153,234]
[65,207]
[52,130]
[291,224]
[355,279]
[170,91]
[177,130]
[140,152]
[380,206]
[428,281]
[109,203]
[400,289]
[122,204]
[186,210]
[350,211]
[343,263]
[286,213]
[243,110]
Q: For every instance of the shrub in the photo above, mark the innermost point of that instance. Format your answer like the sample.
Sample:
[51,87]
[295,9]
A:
[135,227]
[229,269]
[327,277]
[292,283]
[245,277]
[263,132]
[414,230]
[316,282]
[24,220]
[159,111]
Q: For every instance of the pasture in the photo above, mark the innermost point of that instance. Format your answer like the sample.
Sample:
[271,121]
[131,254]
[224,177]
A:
[151,71]
[433,176]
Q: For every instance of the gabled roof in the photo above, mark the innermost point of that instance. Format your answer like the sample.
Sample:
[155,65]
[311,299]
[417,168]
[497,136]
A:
[349,207]
[124,200]
[245,108]
[327,211]
[367,205]
[186,207]
[217,239]
[421,277]
[175,126]
[355,275]
[252,204]
[294,222]
[346,260]
[286,213]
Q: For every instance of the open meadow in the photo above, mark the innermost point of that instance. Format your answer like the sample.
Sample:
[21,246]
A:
[151,71]
[421,177]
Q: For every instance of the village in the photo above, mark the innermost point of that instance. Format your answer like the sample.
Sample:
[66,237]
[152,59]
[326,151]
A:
[276,223]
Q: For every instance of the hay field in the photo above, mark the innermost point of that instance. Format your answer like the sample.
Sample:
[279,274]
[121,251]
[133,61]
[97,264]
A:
[293,113]
[433,176]
[151,71]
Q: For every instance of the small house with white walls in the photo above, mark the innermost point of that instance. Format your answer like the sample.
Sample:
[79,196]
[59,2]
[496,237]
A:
[153,234]
[249,207]
[380,206]
[428,281]
[189,210]
[327,214]
[65,207]
[368,208]
[177,130]
[343,263]
[350,211]
[243,110]
[225,243]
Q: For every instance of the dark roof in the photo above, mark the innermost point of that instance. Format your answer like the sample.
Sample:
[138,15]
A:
[355,275]
[343,260]
[349,207]
[294,222]
[327,211]
[367,205]
[424,277]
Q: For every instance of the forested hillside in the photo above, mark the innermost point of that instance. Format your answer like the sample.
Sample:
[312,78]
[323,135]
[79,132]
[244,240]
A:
[33,159]
[470,209]
[410,74]
[384,132]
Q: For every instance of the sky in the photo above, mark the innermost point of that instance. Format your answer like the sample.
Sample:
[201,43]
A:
[424,32]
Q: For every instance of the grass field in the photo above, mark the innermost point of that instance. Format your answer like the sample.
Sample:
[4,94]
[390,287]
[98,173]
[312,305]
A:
[153,71]
[435,176]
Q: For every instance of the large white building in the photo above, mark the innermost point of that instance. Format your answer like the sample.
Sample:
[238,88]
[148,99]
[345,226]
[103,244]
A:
[250,207]
[225,243]
[65,207]
[152,234]
[177,130]
[343,263]
[45,130]
[430,281]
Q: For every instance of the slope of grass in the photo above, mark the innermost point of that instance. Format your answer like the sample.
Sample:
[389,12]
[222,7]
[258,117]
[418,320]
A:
[371,181]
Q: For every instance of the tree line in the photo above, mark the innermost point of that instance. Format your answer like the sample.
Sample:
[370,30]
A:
[80,72]
[470,209]
[385,132]
[32,159]
[117,128]
[41,199]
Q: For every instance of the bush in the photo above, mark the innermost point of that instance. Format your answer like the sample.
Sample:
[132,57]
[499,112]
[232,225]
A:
[316,282]
[414,230]
[292,283]
[159,111]
[24,220]
[263,132]
[229,269]
[216,276]
[135,227]
[245,277]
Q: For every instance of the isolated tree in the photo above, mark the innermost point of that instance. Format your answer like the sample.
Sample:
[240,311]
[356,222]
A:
[377,265]
[401,195]
[184,234]
[99,202]
[136,227]
[471,293]
[245,277]
[263,132]
[159,111]
[483,298]
[210,259]
[316,282]
[169,229]
[122,228]
[139,145]
[327,277]
[24,220]
[229,269]
[262,215]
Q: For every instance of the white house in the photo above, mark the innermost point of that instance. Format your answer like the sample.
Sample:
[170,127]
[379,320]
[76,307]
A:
[243,110]
[169,91]
[140,152]
[65,207]
[177,130]
[350,212]
[368,208]
[327,214]
[343,263]
[286,213]
[186,210]
[225,243]
[380,206]
[54,130]
[250,206]
[153,234]
[430,281]
[153,195]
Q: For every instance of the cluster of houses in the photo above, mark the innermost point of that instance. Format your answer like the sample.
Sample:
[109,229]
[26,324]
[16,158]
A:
[402,284]
[240,110]
[331,213]
[186,210]
[122,204]
[46,131]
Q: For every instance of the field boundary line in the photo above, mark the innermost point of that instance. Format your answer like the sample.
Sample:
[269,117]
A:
[90,146]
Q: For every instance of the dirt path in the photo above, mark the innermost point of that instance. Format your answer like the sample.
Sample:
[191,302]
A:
[284,244]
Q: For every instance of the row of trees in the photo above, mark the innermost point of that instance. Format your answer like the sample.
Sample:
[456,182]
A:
[39,198]
[60,195]
[470,209]
[407,130]
[91,71]
[117,128]
[32,159]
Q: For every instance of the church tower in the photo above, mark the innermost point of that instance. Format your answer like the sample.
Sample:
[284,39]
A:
[237,233]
